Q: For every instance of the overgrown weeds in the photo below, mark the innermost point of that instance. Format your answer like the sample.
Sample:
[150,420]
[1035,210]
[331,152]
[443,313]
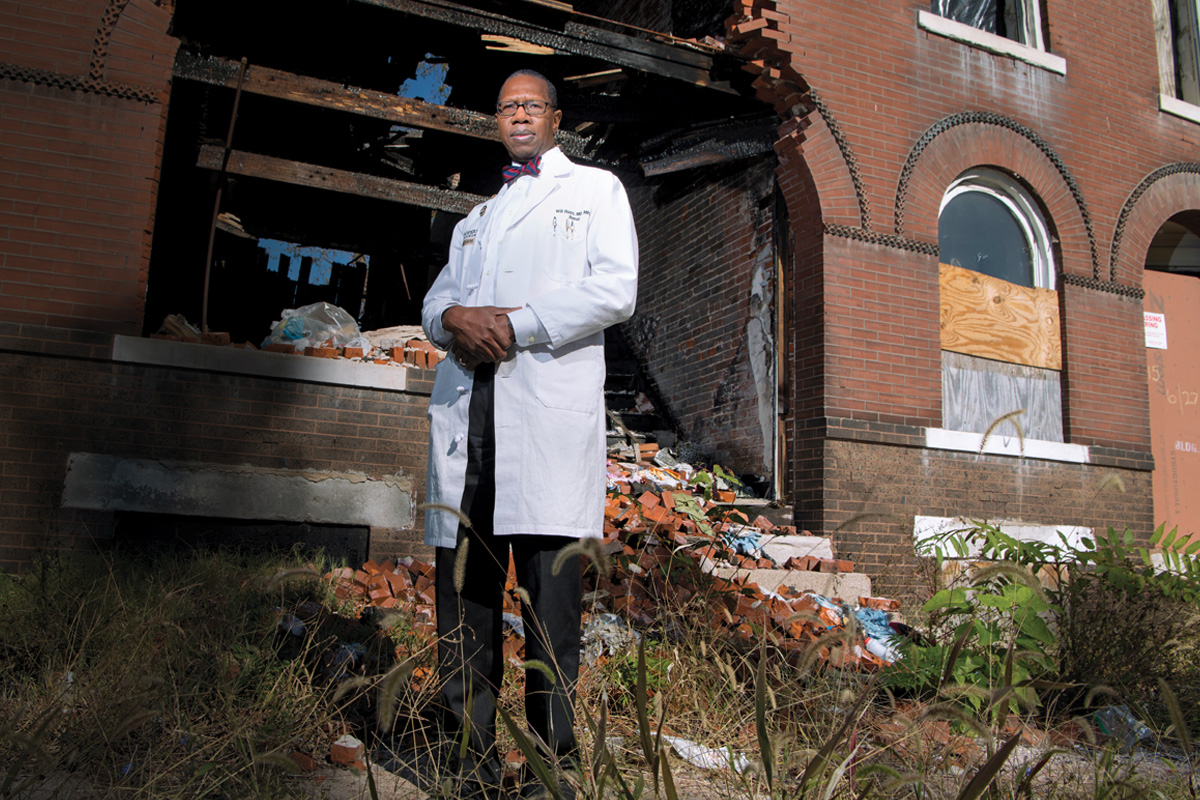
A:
[164,678]
[200,675]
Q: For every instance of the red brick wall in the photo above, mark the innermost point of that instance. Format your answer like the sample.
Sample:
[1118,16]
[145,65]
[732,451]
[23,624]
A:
[895,114]
[64,394]
[702,234]
[82,113]
[885,83]
[883,360]
[871,493]
[1106,399]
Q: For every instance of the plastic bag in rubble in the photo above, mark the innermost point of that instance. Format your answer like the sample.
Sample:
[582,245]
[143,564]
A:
[515,622]
[346,658]
[744,539]
[314,325]
[606,633]
[874,623]
[1117,722]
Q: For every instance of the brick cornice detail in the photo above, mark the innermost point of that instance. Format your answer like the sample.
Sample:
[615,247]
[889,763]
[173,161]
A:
[93,82]
[75,83]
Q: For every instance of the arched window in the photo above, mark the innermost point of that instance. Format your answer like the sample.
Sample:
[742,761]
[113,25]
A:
[990,224]
[1176,247]
[995,361]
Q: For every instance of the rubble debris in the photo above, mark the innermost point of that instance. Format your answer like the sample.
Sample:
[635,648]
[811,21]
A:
[606,634]
[707,757]
[665,543]
[175,326]
[403,345]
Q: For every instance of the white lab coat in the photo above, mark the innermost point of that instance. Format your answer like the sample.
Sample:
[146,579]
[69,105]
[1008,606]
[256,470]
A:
[567,255]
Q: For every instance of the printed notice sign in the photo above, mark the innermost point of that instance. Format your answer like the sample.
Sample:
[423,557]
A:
[1156,330]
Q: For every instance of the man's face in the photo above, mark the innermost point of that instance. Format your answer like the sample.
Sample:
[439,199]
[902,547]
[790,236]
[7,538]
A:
[524,135]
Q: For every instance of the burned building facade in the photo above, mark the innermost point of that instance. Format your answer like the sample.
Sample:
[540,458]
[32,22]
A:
[896,259]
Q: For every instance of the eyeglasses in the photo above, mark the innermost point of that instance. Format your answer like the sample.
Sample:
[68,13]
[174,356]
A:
[534,108]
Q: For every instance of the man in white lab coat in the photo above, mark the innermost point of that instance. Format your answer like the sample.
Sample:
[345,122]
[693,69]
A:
[517,419]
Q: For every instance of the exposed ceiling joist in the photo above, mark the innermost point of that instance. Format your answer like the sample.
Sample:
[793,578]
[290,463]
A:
[326,94]
[336,180]
[653,57]
[366,102]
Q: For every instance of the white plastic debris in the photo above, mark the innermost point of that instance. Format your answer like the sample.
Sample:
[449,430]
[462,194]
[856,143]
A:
[707,757]
[606,633]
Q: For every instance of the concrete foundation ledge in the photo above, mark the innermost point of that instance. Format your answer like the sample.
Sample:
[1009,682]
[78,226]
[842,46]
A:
[191,488]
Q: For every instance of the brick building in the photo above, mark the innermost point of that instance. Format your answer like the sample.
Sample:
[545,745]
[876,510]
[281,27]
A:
[870,233]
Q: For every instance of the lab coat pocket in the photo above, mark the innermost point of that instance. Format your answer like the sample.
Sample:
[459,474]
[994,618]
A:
[571,379]
[565,264]
[450,385]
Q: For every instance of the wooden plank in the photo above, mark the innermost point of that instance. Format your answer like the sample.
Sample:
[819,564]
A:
[365,102]
[325,94]
[508,44]
[335,180]
[987,317]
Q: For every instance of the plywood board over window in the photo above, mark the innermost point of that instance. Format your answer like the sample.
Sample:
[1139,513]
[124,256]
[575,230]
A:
[992,318]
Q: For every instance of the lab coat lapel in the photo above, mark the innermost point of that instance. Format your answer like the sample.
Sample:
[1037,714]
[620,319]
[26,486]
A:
[555,165]
[540,190]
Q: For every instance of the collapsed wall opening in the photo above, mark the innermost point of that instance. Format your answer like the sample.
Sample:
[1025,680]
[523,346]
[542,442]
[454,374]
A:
[362,134]
[364,131]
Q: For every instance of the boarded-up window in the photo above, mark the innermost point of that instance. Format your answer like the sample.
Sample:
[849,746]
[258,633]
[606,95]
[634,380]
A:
[1001,347]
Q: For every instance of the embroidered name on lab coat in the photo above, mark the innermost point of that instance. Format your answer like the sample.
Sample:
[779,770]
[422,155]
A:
[469,237]
[566,223]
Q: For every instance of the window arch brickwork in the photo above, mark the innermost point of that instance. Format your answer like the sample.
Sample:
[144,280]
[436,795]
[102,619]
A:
[959,143]
[1161,195]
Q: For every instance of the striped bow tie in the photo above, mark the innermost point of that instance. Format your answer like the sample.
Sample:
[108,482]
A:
[531,167]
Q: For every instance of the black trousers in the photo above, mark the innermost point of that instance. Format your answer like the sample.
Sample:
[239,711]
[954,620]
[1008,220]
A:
[470,643]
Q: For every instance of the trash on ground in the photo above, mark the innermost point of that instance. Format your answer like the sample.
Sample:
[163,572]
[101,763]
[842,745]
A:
[1121,725]
[707,757]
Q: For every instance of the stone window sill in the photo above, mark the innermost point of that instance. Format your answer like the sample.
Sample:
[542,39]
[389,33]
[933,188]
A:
[997,445]
[259,363]
[1179,108]
[990,42]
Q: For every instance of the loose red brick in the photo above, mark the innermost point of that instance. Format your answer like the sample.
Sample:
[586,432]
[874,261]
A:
[304,761]
[346,750]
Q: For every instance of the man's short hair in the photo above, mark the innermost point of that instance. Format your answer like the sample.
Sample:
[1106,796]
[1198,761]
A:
[533,73]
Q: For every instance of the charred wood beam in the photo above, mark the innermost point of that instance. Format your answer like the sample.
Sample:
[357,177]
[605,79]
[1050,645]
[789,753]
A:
[365,102]
[704,154]
[584,40]
[326,94]
[335,180]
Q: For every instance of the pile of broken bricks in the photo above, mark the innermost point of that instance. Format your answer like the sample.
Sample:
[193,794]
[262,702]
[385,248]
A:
[413,351]
[669,549]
